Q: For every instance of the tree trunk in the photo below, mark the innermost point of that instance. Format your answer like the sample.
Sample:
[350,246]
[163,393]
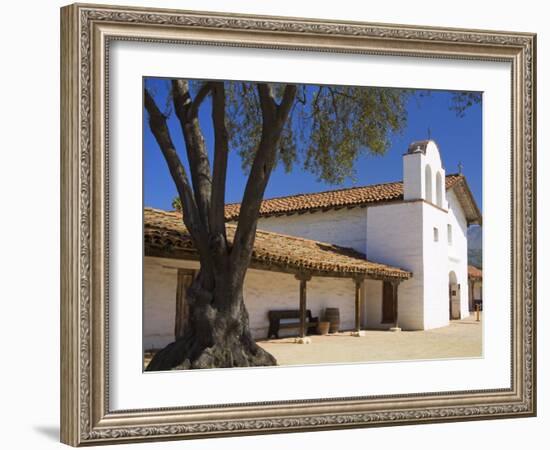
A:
[217,336]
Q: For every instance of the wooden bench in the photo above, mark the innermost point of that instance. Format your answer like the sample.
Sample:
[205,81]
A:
[275,318]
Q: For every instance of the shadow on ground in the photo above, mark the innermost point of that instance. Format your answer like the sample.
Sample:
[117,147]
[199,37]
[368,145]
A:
[51,432]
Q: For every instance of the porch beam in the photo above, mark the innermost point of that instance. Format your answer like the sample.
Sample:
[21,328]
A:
[395,286]
[471,306]
[359,282]
[303,278]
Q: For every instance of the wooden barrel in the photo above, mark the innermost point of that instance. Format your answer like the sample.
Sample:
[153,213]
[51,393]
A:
[332,315]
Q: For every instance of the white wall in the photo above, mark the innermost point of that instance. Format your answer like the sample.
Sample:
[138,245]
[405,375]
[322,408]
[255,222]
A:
[395,239]
[373,305]
[458,251]
[436,272]
[263,291]
[413,176]
[404,235]
[159,302]
[345,227]
[435,276]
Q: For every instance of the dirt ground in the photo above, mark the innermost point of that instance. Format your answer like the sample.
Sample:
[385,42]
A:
[461,339]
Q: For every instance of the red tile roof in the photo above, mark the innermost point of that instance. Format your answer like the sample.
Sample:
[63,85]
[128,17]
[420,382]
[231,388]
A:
[474,273]
[166,236]
[351,197]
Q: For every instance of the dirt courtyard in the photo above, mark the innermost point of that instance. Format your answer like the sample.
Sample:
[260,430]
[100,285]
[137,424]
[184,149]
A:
[461,339]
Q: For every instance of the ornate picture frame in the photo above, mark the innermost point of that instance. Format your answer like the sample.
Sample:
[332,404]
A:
[87,31]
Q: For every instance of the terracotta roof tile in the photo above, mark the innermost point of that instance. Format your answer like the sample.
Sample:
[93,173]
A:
[165,235]
[475,273]
[356,196]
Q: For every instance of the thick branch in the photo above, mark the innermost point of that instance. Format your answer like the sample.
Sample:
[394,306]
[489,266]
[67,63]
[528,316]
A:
[204,90]
[157,123]
[274,119]
[289,95]
[267,102]
[221,150]
[197,155]
[250,206]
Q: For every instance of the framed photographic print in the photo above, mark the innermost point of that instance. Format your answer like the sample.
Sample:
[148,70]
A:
[276,224]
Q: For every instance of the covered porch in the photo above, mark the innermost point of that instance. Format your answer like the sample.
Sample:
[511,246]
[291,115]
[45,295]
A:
[286,273]
[300,318]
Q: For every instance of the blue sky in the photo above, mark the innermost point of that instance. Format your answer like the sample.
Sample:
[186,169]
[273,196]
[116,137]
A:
[459,140]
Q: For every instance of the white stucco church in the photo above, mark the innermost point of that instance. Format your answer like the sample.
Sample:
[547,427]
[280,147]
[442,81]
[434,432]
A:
[388,256]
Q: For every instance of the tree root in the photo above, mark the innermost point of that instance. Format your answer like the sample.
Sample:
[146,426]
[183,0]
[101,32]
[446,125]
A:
[239,353]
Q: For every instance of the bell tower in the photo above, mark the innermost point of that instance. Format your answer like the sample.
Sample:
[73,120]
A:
[414,234]
[423,174]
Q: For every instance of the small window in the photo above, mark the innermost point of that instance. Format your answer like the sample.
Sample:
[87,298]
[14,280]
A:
[436,234]
[450,234]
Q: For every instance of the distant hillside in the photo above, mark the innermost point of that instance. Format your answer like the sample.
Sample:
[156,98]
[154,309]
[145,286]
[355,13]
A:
[475,258]
[475,246]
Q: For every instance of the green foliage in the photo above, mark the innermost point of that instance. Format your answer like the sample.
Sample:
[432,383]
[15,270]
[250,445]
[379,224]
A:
[461,101]
[176,203]
[327,129]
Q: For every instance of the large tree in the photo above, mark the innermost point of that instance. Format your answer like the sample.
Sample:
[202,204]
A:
[325,128]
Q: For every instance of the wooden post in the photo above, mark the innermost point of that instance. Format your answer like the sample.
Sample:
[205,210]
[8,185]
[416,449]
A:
[303,278]
[358,286]
[395,285]
[303,298]
[185,278]
[471,301]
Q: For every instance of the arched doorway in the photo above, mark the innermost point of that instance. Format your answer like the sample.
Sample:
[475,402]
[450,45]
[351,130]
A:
[454,297]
